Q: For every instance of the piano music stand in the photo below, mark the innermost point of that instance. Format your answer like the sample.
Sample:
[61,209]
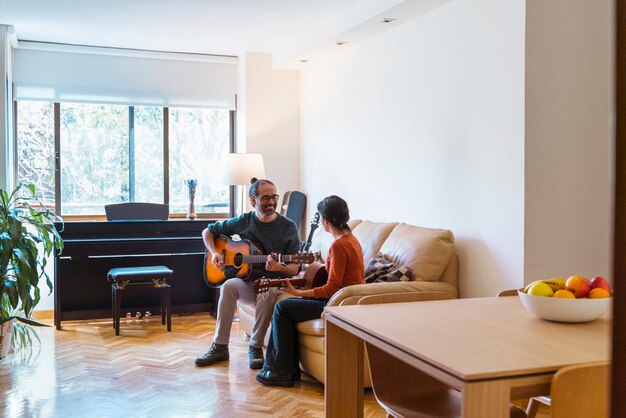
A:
[132,211]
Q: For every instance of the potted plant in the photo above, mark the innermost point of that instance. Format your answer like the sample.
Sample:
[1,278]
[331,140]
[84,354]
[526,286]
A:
[28,237]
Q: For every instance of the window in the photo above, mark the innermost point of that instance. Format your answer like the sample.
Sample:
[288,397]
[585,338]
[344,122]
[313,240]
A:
[117,153]
[35,148]
[148,163]
[94,157]
[198,140]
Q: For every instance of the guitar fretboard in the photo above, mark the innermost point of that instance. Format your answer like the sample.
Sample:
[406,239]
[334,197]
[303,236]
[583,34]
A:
[260,258]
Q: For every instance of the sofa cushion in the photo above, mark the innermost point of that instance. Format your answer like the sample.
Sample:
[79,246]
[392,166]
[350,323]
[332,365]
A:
[311,327]
[380,269]
[426,250]
[371,236]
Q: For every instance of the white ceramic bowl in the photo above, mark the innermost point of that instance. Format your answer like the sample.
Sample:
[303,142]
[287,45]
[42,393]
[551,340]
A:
[565,310]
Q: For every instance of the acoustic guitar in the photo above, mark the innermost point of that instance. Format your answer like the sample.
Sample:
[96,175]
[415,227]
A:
[242,259]
[315,223]
[314,276]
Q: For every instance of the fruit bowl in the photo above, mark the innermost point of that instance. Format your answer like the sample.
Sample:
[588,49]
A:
[565,310]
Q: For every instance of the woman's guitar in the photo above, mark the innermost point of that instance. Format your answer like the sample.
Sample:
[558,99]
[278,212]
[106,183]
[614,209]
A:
[314,276]
[315,223]
[241,259]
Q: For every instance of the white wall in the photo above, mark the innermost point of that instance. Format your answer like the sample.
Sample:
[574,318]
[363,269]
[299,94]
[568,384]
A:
[272,124]
[424,124]
[569,137]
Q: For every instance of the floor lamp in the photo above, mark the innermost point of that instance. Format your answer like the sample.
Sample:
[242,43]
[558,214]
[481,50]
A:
[238,170]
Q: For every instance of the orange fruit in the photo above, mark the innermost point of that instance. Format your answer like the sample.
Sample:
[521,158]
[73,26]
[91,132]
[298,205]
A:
[564,294]
[598,293]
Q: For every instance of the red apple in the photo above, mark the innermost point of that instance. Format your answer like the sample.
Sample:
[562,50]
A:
[579,285]
[600,282]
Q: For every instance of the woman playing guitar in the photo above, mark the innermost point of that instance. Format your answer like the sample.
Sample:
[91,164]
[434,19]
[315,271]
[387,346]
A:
[344,264]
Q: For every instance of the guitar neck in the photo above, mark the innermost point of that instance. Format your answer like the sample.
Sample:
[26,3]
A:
[283,282]
[261,258]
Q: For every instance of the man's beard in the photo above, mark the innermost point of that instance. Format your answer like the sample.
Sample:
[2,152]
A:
[267,209]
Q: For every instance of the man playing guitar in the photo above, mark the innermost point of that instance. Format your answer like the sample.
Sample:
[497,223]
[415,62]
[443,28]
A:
[276,234]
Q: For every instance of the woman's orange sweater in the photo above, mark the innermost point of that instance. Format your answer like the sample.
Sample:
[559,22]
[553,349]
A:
[344,264]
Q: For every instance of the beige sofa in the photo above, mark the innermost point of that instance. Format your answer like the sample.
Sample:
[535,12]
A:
[429,252]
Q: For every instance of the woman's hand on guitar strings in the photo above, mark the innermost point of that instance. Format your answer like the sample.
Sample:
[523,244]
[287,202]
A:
[290,289]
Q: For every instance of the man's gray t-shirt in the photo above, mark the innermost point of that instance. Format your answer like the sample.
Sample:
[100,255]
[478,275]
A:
[279,236]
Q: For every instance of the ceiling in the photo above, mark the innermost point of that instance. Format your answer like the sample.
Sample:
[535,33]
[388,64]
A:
[290,30]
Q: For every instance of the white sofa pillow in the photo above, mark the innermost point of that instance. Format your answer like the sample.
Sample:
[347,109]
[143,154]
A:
[426,250]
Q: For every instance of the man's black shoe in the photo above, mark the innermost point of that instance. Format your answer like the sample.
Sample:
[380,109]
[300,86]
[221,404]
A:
[296,376]
[216,353]
[267,378]
[255,355]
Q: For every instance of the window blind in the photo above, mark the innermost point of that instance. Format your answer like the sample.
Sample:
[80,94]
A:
[72,73]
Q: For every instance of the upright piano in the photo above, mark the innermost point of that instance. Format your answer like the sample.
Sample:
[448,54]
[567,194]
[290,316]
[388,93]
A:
[92,248]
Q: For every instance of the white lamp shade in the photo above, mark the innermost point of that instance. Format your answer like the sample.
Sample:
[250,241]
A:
[240,168]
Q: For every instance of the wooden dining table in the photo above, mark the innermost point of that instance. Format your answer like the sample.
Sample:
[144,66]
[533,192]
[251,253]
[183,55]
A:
[489,349]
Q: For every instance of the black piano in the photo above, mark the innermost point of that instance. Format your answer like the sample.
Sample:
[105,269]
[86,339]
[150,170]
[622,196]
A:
[92,248]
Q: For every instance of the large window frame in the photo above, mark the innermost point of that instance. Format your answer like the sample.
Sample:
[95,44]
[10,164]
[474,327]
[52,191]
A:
[166,175]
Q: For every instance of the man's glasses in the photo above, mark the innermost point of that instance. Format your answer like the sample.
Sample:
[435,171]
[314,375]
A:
[266,198]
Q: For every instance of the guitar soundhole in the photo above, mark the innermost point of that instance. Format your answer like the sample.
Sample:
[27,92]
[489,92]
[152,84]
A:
[238,260]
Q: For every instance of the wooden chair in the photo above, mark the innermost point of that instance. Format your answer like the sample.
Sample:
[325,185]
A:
[577,391]
[403,391]
[509,292]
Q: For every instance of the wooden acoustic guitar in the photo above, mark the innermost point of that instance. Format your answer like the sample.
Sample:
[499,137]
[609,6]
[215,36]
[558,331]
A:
[242,259]
[315,223]
[314,276]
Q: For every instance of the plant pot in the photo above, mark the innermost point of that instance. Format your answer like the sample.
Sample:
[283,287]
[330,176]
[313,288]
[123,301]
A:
[6,336]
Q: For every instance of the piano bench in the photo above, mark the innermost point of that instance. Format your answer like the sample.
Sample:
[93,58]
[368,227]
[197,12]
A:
[141,280]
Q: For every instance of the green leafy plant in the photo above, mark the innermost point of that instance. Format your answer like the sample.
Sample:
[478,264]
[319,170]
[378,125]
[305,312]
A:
[28,237]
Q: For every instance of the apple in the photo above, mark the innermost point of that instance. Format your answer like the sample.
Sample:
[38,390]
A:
[579,285]
[540,289]
[601,283]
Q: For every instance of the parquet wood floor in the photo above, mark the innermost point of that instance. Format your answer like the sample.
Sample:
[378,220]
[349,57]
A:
[85,371]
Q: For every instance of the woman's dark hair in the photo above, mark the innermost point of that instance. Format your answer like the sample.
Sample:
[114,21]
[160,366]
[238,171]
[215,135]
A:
[255,184]
[335,210]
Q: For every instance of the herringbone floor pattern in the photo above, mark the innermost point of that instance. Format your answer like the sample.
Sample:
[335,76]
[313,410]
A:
[86,371]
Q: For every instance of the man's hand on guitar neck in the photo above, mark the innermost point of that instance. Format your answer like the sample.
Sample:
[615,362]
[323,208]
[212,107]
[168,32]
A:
[271,264]
[287,269]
